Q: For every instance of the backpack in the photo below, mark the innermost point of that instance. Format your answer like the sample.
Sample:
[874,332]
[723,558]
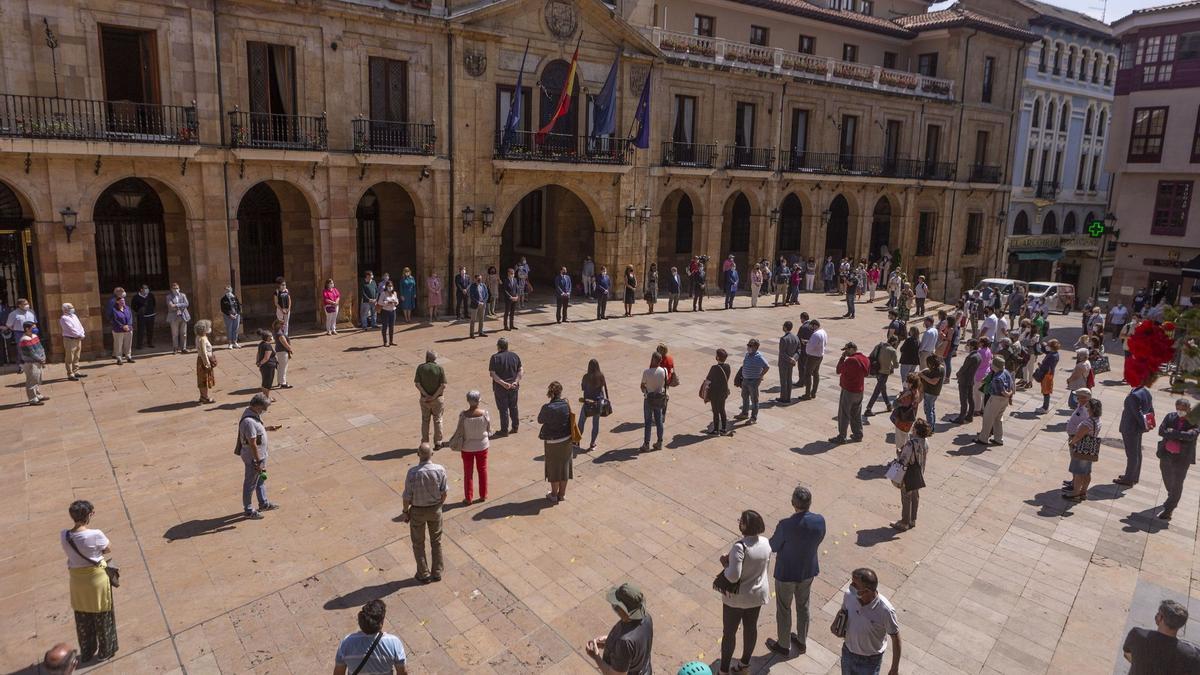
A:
[873,359]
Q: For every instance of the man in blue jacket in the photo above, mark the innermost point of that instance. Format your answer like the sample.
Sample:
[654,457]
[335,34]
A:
[795,544]
[1133,424]
[478,298]
[603,286]
[731,285]
[674,290]
[562,295]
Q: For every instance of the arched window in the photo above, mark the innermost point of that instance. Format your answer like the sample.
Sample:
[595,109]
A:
[739,231]
[1071,61]
[1050,114]
[1100,124]
[554,78]
[1042,56]
[1108,65]
[1021,223]
[131,241]
[1066,117]
[684,217]
[1037,113]
[260,236]
[1087,123]
[1069,226]
[1058,58]
[1097,57]
[1050,224]
[791,213]
[1084,57]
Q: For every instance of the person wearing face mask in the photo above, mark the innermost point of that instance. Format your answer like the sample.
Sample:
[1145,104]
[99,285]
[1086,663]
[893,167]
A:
[73,334]
[122,331]
[178,317]
[388,301]
[998,385]
[14,324]
[331,298]
[231,311]
[145,308]
[283,303]
[117,292]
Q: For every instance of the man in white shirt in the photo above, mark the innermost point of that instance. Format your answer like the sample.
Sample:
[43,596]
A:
[928,343]
[990,325]
[1117,317]
[588,273]
[1002,326]
[73,334]
[870,619]
[14,326]
[814,351]
[921,292]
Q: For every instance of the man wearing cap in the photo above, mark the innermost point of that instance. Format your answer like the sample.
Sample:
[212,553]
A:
[33,360]
[73,334]
[424,493]
[754,368]
[628,646]
[852,369]
[999,391]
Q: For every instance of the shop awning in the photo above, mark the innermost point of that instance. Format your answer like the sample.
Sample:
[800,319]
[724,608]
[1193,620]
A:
[1040,254]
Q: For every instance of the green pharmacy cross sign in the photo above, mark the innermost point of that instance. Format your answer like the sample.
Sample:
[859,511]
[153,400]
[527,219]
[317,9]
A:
[1095,229]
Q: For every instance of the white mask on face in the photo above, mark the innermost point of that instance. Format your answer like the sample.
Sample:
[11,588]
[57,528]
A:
[121,294]
[229,291]
[70,310]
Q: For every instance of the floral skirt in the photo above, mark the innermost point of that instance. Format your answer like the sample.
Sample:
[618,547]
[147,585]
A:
[206,378]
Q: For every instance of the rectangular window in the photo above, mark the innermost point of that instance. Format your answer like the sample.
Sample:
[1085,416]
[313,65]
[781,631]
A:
[744,132]
[684,130]
[1095,172]
[1058,156]
[388,89]
[799,132]
[891,142]
[925,227]
[1171,205]
[1146,136]
[927,64]
[1042,56]
[1168,48]
[1029,167]
[1149,74]
[129,64]
[703,25]
[850,53]
[1153,46]
[760,35]
[272,75]
[504,100]
[974,242]
[1079,179]
[981,147]
[889,60]
[989,67]
[1127,50]
[867,7]
[808,44]
[1196,140]
[933,138]
[849,139]
[1189,46]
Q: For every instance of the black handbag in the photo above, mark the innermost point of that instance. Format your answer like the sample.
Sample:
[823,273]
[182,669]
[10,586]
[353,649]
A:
[111,569]
[723,585]
[737,379]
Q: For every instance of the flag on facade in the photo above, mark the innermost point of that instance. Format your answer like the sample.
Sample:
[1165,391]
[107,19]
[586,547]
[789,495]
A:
[514,108]
[605,113]
[564,98]
[641,118]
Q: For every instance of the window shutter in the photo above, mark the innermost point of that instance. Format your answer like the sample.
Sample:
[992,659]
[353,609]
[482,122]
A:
[378,87]
[257,66]
[397,91]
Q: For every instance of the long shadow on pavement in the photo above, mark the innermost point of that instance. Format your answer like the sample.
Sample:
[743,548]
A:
[368,593]
[530,507]
[398,453]
[876,535]
[169,407]
[1144,521]
[203,526]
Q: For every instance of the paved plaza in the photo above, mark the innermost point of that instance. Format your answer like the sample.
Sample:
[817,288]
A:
[1001,576]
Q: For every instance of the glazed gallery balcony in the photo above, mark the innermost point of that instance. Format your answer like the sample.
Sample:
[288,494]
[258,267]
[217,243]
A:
[277,132]
[833,163]
[744,56]
[88,120]
[395,138]
[561,148]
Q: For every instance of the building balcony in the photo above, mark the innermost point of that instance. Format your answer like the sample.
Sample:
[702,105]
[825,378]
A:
[724,53]
[693,155]
[87,120]
[277,132]
[986,173]
[562,148]
[750,159]
[393,138]
[1045,189]
[834,163]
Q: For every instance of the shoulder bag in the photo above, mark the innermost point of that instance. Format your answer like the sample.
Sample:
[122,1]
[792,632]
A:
[458,438]
[370,651]
[576,433]
[704,391]
[674,380]
[111,569]
[737,379]
[1087,449]
[723,585]
[896,471]
[606,408]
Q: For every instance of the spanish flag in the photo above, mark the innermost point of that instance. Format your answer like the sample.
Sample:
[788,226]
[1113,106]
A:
[564,99]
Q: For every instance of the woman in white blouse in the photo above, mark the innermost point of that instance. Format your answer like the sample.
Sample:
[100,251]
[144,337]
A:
[91,590]
[474,430]
[746,565]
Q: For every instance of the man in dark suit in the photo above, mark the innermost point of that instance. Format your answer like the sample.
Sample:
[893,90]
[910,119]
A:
[1138,403]
[789,346]
[145,309]
[562,295]
[603,286]
[510,290]
[795,543]
[674,290]
[462,283]
[478,297]
[804,332]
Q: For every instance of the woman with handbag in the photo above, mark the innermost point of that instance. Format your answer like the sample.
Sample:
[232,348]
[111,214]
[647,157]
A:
[330,299]
[744,590]
[654,405]
[668,362]
[595,400]
[91,585]
[283,352]
[557,437]
[1044,373]
[904,408]
[1085,450]
[912,456]
[1176,453]
[471,439]
[714,390]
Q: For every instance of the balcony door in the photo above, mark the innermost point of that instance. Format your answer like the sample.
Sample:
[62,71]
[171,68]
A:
[129,65]
[683,132]
[848,142]
[799,137]
[388,84]
[566,129]
[933,142]
[743,133]
[891,146]
[272,78]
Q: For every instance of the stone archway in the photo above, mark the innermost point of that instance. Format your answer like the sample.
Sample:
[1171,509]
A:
[737,232]
[837,230]
[386,232]
[549,227]
[17,276]
[1050,223]
[789,239]
[677,231]
[275,239]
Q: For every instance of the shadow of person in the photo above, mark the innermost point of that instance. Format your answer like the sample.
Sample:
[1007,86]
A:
[168,407]
[1144,521]
[684,440]
[398,453]
[530,507]
[814,448]
[617,455]
[203,526]
[366,594]
[1052,504]
[876,535]
[872,472]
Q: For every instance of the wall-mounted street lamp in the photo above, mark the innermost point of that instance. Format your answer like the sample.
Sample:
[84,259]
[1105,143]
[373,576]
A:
[630,215]
[70,221]
[489,217]
[468,217]
[645,214]
[774,217]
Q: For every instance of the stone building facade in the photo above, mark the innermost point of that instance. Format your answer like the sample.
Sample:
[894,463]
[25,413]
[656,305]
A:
[230,143]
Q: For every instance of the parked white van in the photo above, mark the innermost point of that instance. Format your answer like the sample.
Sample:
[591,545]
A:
[1058,297]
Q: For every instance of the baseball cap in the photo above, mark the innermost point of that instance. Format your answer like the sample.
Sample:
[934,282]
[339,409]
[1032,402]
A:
[630,599]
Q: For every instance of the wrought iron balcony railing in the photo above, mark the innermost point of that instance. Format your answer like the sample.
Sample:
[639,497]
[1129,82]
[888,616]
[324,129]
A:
[563,148]
[278,132]
[1046,189]
[793,161]
[986,173]
[754,159]
[395,138]
[88,120]
[698,155]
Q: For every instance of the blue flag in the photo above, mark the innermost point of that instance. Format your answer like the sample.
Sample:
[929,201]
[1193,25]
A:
[605,112]
[642,117]
[513,123]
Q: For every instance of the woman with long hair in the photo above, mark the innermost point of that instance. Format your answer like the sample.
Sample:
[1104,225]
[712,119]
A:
[912,455]
[595,400]
[904,408]
[266,361]
[283,353]
[630,289]
[408,294]
[206,362]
